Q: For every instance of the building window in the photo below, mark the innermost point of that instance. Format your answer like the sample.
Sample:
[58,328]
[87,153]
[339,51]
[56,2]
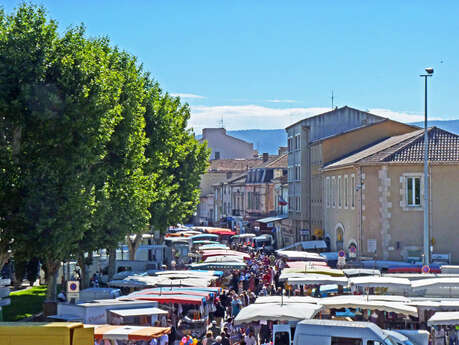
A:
[346,192]
[217,155]
[297,141]
[290,144]
[333,191]
[297,172]
[290,174]
[327,191]
[352,190]
[413,191]
[340,193]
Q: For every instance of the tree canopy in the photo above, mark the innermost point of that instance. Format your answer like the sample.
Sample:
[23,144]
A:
[91,149]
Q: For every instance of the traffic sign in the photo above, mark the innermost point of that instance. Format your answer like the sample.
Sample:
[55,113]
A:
[73,286]
[426,269]
[341,253]
[353,249]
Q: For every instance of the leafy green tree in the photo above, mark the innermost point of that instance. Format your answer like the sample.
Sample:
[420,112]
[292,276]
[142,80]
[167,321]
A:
[123,193]
[60,107]
[175,154]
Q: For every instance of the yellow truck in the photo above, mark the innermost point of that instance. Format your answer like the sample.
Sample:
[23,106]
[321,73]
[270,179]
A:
[45,333]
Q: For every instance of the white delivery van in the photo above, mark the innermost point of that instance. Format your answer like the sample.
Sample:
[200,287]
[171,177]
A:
[334,332]
[283,334]
[417,337]
[398,338]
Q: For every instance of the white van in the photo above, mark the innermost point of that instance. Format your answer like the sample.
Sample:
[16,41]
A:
[417,337]
[399,338]
[283,334]
[334,332]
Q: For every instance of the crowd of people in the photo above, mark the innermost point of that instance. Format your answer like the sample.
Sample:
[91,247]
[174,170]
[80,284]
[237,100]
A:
[259,278]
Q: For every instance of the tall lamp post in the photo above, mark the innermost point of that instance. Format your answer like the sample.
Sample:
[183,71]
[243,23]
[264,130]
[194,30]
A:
[429,73]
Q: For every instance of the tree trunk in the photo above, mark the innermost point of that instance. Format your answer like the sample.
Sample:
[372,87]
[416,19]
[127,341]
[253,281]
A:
[133,244]
[52,269]
[111,262]
[84,276]
[4,257]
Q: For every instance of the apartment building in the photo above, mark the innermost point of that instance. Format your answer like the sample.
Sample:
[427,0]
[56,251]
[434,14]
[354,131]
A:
[374,198]
[316,141]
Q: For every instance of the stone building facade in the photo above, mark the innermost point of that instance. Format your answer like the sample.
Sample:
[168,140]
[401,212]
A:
[374,198]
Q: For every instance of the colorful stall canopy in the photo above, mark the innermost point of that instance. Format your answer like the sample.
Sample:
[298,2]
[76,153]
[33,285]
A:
[134,333]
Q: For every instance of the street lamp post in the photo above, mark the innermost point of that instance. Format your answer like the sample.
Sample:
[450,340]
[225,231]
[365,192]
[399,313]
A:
[429,72]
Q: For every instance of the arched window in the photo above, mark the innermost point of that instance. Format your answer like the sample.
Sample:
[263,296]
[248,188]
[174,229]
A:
[339,238]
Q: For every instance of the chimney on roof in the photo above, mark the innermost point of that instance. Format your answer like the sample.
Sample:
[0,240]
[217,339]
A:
[282,150]
[265,157]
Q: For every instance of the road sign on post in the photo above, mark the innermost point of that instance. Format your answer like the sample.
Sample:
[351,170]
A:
[426,269]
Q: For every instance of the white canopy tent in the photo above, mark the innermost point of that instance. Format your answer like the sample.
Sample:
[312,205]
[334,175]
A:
[276,312]
[299,255]
[316,279]
[224,258]
[444,319]
[352,301]
[139,312]
[447,283]
[286,299]
[377,281]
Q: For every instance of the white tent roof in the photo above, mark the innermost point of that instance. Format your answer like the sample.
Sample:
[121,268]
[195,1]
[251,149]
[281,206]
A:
[435,282]
[349,272]
[444,318]
[277,312]
[361,302]
[224,258]
[319,279]
[436,305]
[179,279]
[294,254]
[139,311]
[286,299]
[377,281]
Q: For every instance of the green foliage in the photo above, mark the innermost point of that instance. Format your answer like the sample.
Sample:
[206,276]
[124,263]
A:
[25,303]
[174,154]
[91,149]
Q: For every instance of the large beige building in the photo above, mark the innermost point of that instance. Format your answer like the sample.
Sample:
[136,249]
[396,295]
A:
[224,146]
[374,198]
[316,141]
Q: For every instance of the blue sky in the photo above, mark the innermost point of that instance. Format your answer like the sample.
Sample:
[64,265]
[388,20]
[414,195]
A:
[266,64]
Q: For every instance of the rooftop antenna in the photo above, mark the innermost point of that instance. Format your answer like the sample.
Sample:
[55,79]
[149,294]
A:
[221,123]
[332,100]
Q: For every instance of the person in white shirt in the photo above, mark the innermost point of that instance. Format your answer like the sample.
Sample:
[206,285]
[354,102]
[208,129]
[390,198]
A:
[250,339]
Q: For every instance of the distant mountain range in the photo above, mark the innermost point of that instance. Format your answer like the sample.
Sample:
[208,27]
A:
[269,140]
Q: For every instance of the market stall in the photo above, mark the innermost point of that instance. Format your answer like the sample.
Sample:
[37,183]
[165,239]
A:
[131,334]
[293,255]
[276,312]
[444,319]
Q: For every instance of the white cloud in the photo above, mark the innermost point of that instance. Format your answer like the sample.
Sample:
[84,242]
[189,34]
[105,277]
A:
[397,115]
[280,101]
[260,117]
[187,95]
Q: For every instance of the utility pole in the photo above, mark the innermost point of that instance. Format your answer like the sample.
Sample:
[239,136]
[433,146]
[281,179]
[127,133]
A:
[426,173]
